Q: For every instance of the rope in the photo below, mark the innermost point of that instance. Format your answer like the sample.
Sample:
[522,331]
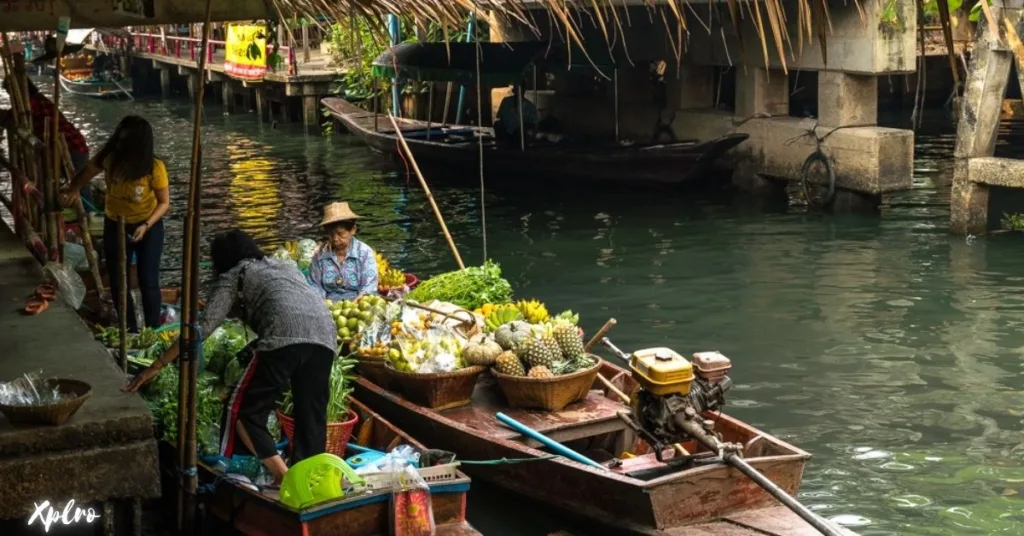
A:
[504,461]
[480,138]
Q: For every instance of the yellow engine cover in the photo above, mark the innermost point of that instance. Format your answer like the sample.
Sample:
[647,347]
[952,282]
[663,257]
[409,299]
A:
[662,371]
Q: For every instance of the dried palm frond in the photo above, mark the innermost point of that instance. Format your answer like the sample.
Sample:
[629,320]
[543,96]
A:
[568,17]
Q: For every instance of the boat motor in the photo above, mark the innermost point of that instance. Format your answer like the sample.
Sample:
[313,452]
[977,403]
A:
[669,407]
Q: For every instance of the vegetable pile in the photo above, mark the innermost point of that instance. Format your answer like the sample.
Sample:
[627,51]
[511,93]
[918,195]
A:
[470,288]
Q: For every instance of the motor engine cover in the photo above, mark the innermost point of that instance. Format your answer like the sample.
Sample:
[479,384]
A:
[662,371]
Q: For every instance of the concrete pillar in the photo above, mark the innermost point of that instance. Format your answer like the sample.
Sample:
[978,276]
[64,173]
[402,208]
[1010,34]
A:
[693,87]
[310,110]
[165,82]
[193,85]
[968,210]
[227,96]
[847,99]
[761,92]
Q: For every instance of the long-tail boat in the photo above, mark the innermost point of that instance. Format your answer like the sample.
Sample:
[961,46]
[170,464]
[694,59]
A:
[497,64]
[636,494]
[365,514]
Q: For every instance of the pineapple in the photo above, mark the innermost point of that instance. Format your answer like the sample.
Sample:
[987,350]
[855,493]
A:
[542,350]
[509,364]
[569,340]
[540,371]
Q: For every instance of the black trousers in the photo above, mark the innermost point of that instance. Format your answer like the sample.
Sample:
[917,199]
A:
[147,260]
[307,368]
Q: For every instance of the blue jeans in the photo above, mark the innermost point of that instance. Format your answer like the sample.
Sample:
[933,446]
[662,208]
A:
[147,259]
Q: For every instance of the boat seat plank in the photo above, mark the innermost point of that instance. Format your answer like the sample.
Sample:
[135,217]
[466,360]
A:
[592,416]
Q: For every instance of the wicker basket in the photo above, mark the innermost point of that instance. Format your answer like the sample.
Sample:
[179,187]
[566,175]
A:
[338,433]
[551,394]
[375,369]
[55,414]
[438,391]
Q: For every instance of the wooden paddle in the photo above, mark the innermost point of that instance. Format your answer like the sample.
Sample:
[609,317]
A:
[590,345]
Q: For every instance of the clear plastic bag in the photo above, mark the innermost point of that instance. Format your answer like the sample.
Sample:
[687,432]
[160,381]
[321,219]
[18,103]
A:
[411,511]
[68,282]
[30,390]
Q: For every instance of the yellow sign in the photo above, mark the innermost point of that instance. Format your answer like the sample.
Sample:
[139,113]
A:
[246,51]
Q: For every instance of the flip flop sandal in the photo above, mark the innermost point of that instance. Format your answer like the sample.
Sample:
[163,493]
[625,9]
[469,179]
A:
[36,305]
[47,292]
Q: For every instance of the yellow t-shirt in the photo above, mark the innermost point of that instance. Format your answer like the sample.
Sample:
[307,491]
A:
[135,199]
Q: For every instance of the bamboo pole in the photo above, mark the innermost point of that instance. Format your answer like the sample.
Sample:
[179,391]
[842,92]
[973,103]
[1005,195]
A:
[49,209]
[83,217]
[122,282]
[426,190]
[55,152]
[188,368]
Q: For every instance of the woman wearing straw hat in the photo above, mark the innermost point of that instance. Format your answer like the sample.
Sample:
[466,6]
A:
[343,268]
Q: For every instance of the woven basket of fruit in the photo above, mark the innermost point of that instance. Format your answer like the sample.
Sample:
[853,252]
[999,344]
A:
[441,390]
[371,363]
[541,389]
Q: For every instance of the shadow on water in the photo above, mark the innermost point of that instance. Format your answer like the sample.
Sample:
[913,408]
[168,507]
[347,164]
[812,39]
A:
[887,348]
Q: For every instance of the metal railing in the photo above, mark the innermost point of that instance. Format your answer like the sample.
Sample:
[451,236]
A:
[179,47]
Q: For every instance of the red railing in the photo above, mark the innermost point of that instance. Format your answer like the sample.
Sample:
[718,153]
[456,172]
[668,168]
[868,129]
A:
[188,47]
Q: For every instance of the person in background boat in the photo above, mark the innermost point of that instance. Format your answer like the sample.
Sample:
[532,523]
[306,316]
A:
[138,190]
[343,268]
[507,125]
[296,345]
[42,109]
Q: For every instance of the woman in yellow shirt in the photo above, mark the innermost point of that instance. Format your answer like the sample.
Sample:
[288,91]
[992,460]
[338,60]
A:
[137,189]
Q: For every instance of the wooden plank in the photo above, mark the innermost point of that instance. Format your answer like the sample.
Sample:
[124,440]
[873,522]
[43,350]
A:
[488,401]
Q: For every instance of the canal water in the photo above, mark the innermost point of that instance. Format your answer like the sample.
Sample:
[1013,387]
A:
[884,346]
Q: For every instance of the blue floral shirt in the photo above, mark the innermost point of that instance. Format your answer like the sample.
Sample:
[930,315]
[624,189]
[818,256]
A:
[356,276]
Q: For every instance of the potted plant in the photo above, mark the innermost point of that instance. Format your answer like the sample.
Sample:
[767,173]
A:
[341,420]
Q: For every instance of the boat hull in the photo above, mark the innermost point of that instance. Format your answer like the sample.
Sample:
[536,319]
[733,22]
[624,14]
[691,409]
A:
[668,163]
[102,90]
[255,514]
[659,506]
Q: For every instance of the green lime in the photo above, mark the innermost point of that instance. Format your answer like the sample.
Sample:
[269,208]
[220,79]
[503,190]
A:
[344,332]
[352,323]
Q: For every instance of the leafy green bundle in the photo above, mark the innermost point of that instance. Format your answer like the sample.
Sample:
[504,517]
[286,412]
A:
[469,288]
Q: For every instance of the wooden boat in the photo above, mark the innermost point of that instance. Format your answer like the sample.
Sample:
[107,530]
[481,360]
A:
[458,147]
[101,88]
[256,514]
[641,495]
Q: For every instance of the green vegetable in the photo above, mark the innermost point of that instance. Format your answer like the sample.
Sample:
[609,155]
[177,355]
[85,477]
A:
[161,395]
[469,288]
[340,386]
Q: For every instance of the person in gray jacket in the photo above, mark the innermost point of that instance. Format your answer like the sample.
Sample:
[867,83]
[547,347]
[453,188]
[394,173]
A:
[297,345]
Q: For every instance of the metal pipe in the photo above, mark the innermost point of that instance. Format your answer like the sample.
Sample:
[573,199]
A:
[548,442]
[616,84]
[522,127]
[470,37]
[393,31]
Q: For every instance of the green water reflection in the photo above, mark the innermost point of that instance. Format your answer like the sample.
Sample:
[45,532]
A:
[884,346]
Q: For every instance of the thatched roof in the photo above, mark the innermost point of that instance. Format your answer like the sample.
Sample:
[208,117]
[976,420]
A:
[770,19]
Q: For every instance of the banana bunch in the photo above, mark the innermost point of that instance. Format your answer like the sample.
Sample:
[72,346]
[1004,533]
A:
[499,315]
[382,264]
[169,336]
[485,310]
[391,278]
[534,311]
[293,248]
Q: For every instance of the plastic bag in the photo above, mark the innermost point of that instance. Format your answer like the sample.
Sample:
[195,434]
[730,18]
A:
[75,256]
[393,462]
[411,511]
[306,251]
[281,254]
[68,282]
[31,390]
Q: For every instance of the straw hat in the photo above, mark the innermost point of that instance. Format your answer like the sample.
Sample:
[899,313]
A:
[336,212]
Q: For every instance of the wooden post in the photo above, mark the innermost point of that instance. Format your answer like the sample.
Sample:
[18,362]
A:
[305,42]
[980,109]
[426,190]
[55,156]
[122,282]
[83,217]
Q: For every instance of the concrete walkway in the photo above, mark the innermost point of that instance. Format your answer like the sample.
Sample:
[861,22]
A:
[106,451]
